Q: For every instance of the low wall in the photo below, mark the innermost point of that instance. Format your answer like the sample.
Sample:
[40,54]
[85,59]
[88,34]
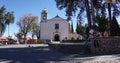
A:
[74,41]
[80,48]
[105,45]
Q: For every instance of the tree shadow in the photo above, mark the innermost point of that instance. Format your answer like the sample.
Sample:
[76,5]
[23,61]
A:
[42,54]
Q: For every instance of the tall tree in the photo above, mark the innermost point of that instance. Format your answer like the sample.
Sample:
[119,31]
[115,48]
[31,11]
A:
[19,36]
[102,24]
[38,32]
[115,29]
[34,27]
[89,8]
[25,24]
[5,19]
[80,29]
[77,28]
[72,30]
[9,19]
[2,20]
[84,7]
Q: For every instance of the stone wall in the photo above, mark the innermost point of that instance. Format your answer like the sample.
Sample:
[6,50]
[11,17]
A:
[105,45]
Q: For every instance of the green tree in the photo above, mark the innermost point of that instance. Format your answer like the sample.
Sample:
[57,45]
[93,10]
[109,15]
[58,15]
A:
[34,27]
[25,23]
[82,6]
[19,35]
[77,28]
[72,30]
[86,31]
[102,24]
[5,19]
[2,20]
[38,32]
[34,30]
[80,29]
[9,19]
[115,29]
[87,8]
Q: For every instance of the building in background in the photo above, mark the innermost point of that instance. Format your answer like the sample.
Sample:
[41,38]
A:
[56,29]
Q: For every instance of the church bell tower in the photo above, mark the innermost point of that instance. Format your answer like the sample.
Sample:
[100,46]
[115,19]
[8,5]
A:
[44,15]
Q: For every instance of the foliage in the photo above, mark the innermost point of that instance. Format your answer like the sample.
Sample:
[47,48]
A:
[72,6]
[34,28]
[25,23]
[80,29]
[38,33]
[19,35]
[102,24]
[80,6]
[72,30]
[9,19]
[5,19]
[114,27]
[2,20]
[89,9]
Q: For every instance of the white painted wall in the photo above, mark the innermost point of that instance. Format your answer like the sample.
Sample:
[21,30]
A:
[47,30]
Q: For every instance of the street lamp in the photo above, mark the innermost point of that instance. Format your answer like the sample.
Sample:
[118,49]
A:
[109,11]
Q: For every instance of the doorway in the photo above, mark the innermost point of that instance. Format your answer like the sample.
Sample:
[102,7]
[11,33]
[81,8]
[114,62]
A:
[56,37]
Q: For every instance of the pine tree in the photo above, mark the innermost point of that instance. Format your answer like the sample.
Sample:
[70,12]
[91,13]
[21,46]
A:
[72,30]
[77,28]
[81,29]
[114,27]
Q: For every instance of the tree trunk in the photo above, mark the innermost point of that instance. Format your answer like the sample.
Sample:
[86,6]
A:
[32,36]
[8,29]
[38,35]
[93,15]
[109,12]
[24,38]
[88,14]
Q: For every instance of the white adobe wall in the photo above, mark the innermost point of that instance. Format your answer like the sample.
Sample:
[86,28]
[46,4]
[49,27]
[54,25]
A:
[48,29]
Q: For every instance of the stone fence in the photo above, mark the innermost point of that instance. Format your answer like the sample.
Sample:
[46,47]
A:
[105,45]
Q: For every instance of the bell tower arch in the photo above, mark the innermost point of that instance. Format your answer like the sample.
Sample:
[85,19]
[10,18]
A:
[44,15]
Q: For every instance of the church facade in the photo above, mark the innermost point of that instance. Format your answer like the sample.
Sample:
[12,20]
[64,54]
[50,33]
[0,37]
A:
[56,29]
[53,29]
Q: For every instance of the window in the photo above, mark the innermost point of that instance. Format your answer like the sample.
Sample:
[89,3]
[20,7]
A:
[56,26]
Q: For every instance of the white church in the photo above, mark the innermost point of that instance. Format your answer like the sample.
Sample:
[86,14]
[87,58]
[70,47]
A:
[56,29]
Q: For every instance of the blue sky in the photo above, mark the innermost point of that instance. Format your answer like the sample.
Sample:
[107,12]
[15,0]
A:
[22,7]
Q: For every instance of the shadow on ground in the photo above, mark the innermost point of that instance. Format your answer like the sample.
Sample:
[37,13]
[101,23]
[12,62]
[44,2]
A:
[40,54]
[44,54]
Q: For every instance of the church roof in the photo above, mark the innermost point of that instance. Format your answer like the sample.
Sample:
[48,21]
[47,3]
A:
[57,18]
